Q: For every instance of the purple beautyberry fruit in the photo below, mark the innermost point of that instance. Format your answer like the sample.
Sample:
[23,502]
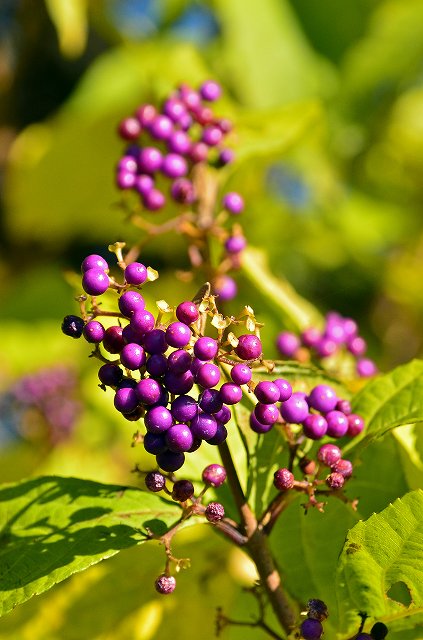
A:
[170,460]
[174,166]
[126,400]
[156,365]
[322,398]
[267,392]
[110,374]
[135,273]
[344,467]
[248,347]
[161,127]
[184,408]
[149,391]
[154,341]
[210,91]
[226,156]
[206,348]
[214,512]
[344,406]
[94,261]
[311,629]
[233,202]
[204,426]
[165,584]
[142,321]
[182,191]
[113,340]
[132,356]
[94,332]
[224,415]
[287,344]
[266,413]
[235,244]
[179,438]
[155,481]
[73,326]
[295,409]
[179,361]
[153,200]
[315,426]
[126,180]
[329,454]
[154,443]
[146,114]
[257,426]
[241,373]
[285,389]
[182,490]
[220,435]
[337,424]
[199,152]
[317,609]
[283,479]
[129,128]
[211,136]
[178,383]
[178,335]
[95,282]
[335,480]
[208,376]
[230,393]
[214,475]
[225,287]
[310,337]
[130,302]
[157,419]
[366,368]
[150,160]
[357,346]
[187,312]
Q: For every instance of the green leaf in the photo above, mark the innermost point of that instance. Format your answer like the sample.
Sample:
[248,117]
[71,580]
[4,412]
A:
[53,527]
[380,570]
[295,311]
[389,401]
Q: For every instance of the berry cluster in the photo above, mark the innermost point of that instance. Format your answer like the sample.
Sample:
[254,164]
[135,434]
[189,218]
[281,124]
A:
[159,363]
[338,333]
[314,416]
[167,143]
[317,612]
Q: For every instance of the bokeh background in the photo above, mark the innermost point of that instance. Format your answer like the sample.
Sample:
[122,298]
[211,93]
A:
[328,102]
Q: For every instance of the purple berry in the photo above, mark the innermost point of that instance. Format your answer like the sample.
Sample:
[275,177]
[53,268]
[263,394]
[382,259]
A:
[315,427]
[210,91]
[249,347]
[288,344]
[182,191]
[135,273]
[142,321]
[357,346]
[149,391]
[178,335]
[154,200]
[174,166]
[311,337]
[113,340]
[267,392]
[335,480]
[189,97]
[187,312]
[73,326]
[184,408]
[285,389]
[155,341]
[208,376]
[204,426]
[366,368]
[210,400]
[110,374]
[161,127]
[126,400]
[295,409]
[283,479]
[150,160]
[355,425]
[266,413]
[132,356]
[230,393]
[311,629]
[257,426]
[322,398]
[329,454]
[211,136]
[146,114]
[364,636]
[178,383]
[233,203]
[154,443]
[179,438]
[95,282]
[317,609]
[214,475]
[174,109]
[170,460]
[127,164]
[155,481]
[225,287]
[179,142]
[226,156]
[344,406]
[130,302]
[220,435]
[344,467]
[326,347]
[206,348]
[337,424]
[199,152]
[126,180]
[94,331]
[157,419]
[241,373]
[156,365]
[182,490]
[165,584]
[130,335]
[144,184]
[129,129]
[94,261]
[179,361]
[224,415]
[235,244]
[214,512]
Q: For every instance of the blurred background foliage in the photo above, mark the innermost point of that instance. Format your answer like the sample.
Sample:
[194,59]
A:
[328,106]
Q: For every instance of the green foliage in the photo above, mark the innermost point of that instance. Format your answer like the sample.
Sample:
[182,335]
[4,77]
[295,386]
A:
[53,527]
[380,568]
